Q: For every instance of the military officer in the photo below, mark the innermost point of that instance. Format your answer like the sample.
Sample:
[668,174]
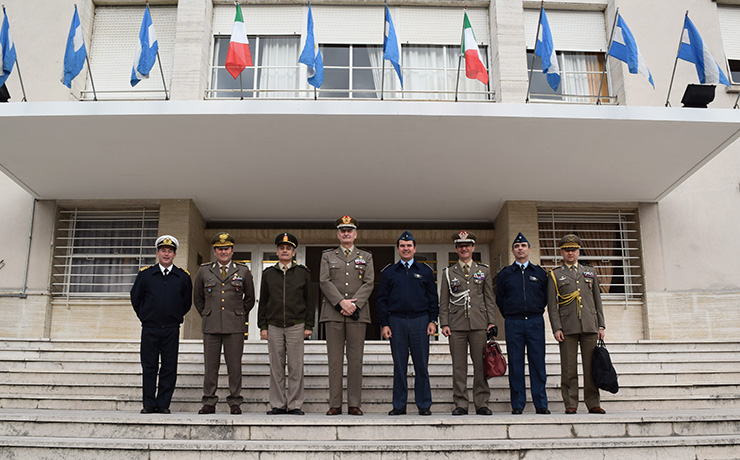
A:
[576,317]
[161,296]
[346,281]
[521,295]
[224,295]
[286,319]
[407,311]
[466,311]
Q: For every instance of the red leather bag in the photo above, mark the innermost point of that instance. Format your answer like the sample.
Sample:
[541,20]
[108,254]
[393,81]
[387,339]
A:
[493,360]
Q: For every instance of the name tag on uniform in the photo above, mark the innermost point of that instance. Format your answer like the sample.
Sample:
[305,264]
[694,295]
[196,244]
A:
[418,276]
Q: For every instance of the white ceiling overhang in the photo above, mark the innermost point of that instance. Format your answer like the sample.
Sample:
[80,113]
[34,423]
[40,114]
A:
[379,160]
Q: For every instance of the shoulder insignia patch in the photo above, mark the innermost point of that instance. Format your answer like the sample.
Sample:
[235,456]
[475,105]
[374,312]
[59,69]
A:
[144,268]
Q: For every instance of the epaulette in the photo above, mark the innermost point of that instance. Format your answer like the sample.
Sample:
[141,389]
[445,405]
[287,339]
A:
[427,265]
[329,250]
[205,264]
[144,268]
[303,267]
[186,272]
[363,249]
[385,267]
[483,265]
[242,264]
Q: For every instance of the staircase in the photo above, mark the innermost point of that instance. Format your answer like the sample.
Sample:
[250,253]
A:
[80,399]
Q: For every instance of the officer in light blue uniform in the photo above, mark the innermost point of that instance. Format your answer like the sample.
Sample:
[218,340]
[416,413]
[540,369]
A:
[521,295]
[407,312]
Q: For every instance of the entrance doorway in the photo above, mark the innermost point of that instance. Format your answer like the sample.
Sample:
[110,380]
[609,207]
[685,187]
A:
[382,256]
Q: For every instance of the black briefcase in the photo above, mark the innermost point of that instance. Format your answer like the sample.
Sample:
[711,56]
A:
[605,376]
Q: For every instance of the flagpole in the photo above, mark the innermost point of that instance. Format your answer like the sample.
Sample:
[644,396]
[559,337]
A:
[460,57]
[736,99]
[166,95]
[382,67]
[18,66]
[680,40]
[606,58]
[241,88]
[92,82]
[534,52]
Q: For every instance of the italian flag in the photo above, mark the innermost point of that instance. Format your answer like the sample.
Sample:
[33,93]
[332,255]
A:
[474,68]
[238,56]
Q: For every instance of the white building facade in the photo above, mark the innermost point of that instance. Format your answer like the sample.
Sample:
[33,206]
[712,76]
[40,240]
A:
[93,175]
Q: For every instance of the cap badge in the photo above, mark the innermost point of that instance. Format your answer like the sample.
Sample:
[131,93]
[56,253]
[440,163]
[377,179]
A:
[463,235]
[346,220]
[222,238]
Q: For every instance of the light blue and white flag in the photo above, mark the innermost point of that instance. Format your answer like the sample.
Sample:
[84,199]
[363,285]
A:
[311,56]
[624,48]
[391,48]
[147,52]
[694,50]
[7,50]
[75,54]
[546,50]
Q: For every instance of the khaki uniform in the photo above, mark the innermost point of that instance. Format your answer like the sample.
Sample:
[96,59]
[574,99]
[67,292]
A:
[574,306]
[345,277]
[468,316]
[224,305]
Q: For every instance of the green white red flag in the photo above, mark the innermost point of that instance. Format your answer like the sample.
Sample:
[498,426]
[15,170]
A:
[474,68]
[238,57]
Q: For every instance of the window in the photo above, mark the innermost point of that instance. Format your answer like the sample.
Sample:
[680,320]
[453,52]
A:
[99,253]
[610,244]
[580,43]
[275,69]
[115,40]
[729,20]
[431,72]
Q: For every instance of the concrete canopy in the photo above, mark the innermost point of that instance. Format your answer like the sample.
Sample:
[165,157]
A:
[379,160]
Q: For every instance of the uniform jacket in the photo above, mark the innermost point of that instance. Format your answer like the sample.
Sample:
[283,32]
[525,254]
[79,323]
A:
[286,299]
[482,310]
[224,304]
[521,294]
[565,317]
[411,294]
[159,301]
[343,278]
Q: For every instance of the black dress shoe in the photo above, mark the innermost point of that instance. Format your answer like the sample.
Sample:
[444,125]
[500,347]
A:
[425,411]
[516,411]
[395,411]
[235,409]
[483,411]
[148,410]
[207,409]
[296,412]
[543,410]
[276,411]
[163,410]
[459,411]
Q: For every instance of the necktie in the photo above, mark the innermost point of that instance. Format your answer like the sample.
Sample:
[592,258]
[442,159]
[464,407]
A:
[466,270]
[346,253]
[223,273]
[165,272]
[406,266]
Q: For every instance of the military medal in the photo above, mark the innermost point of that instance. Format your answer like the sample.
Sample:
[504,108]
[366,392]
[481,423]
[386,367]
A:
[360,265]
[479,277]
[455,285]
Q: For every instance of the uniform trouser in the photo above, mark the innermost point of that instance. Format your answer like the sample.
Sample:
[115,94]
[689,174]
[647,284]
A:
[285,342]
[159,343]
[569,370]
[459,343]
[529,333]
[410,334]
[233,347]
[351,333]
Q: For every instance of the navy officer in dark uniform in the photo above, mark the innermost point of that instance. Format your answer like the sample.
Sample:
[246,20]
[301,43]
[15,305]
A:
[161,296]
[407,312]
[521,295]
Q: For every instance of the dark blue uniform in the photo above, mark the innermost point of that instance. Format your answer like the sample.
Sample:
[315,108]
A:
[407,303]
[160,303]
[521,295]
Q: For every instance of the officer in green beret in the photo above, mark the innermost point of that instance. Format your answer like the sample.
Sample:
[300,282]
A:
[286,319]
[224,295]
[576,317]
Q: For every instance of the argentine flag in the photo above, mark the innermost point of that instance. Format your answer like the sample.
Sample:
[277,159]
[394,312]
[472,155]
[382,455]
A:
[546,50]
[311,56]
[694,50]
[391,49]
[147,52]
[75,53]
[624,48]
[7,50]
